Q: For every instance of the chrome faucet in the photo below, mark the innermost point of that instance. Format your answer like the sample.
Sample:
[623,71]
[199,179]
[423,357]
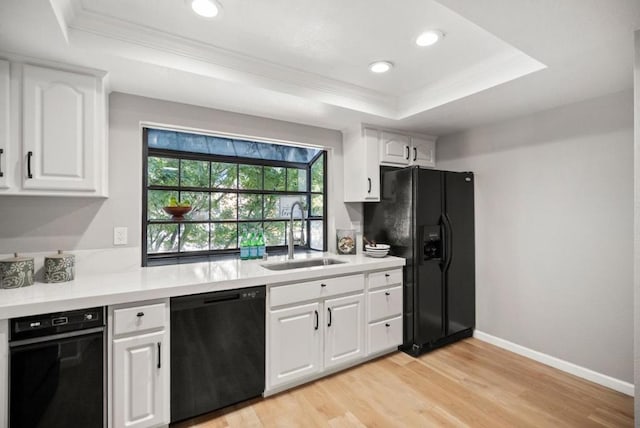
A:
[290,243]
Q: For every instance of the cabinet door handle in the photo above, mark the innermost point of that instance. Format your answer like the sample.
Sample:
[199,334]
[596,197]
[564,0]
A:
[29,156]
[1,153]
[415,154]
[407,147]
[369,180]
[317,321]
[140,314]
[329,323]
[159,355]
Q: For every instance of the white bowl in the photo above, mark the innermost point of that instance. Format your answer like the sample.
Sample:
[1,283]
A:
[378,247]
[376,255]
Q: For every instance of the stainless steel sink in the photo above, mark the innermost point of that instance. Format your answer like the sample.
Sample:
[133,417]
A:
[297,264]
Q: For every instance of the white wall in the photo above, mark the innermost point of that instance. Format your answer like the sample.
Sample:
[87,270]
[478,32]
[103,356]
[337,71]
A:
[32,224]
[554,230]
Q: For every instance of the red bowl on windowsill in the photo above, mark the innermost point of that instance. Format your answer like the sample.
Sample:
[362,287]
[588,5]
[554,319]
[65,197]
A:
[177,213]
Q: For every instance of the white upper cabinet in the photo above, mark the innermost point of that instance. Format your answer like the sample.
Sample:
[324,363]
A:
[4,121]
[394,148]
[61,147]
[423,151]
[403,150]
[361,166]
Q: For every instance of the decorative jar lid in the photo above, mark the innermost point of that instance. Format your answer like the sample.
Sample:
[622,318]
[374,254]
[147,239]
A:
[60,255]
[17,258]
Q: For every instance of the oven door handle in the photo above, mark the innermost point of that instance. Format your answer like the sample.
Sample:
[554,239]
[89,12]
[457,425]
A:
[59,336]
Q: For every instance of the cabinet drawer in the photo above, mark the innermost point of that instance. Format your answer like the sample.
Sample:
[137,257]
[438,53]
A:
[384,303]
[385,278]
[385,335]
[312,290]
[138,318]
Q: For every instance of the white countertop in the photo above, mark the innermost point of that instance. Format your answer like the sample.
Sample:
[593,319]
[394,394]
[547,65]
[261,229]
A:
[175,280]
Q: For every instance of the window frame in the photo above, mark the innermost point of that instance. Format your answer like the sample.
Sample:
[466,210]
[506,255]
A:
[190,256]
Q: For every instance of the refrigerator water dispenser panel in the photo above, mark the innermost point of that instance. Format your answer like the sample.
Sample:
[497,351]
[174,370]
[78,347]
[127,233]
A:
[432,243]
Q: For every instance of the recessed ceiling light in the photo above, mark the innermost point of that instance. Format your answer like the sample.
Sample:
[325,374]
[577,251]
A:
[380,66]
[429,38]
[205,8]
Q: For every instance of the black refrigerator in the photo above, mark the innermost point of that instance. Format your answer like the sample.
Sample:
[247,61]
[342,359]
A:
[427,218]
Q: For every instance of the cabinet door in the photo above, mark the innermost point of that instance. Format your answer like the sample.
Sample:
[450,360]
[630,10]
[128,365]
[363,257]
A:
[139,380]
[295,344]
[423,152]
[394,149]
[344,324]
[4,122]
[59,130]
[372,166]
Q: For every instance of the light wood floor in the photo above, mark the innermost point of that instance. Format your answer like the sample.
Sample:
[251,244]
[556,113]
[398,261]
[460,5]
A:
[470,383]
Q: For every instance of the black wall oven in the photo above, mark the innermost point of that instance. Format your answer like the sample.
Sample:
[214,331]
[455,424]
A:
[57,370]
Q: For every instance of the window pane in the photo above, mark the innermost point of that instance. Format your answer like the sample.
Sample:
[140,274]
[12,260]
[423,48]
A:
[253,227]
[162,171]
[162,238]
[224,206]
[199,202]
[317,205]
[274,178]
[250,207]
[274,233]
[224,236]
[250,177]
[279,206]
[317,175]
[296,180]
[156,199]
[194,237]
[296,232]
[317,235]
[224,175]
[194,173]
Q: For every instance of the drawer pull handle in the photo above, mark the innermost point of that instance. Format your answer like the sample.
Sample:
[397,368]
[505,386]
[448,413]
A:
[386,293]
[386,275]
[387,325]
[140,314]
[323,285]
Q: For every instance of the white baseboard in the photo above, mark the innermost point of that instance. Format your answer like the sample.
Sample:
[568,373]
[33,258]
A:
[565,366]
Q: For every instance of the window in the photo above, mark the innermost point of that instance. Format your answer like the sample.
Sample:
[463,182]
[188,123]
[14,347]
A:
[233,187]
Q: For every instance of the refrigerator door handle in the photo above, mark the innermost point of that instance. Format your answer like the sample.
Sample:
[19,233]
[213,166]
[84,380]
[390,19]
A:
[447,247]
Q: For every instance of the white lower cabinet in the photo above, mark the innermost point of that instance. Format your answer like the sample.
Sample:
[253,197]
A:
[296,343]
[384,311]
[137,380]
[313,327]
[344,326]
[139,365]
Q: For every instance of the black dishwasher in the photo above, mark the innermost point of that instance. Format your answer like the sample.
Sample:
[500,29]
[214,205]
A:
[217,350]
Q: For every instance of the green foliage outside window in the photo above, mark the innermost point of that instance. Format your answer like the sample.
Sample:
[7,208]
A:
[224,205]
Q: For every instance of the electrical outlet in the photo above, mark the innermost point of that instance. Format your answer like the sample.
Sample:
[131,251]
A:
[120,235]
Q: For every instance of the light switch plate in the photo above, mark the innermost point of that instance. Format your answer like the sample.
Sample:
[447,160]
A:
[120,235]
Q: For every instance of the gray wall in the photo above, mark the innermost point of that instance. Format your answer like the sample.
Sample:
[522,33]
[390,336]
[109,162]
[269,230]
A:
[33,224]
[636,253]
[554,230]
